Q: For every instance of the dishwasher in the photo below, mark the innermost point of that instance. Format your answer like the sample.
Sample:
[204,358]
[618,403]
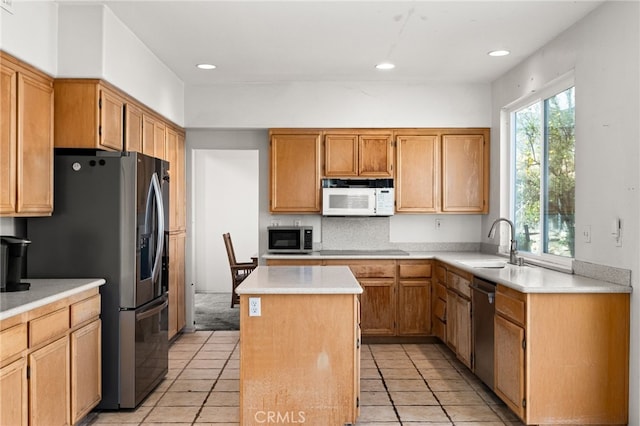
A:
[483,307]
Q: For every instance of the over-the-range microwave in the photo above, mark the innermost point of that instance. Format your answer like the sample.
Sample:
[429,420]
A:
[290,239]
[358,197]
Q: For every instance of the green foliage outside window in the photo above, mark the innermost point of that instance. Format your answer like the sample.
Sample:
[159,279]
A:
[544,175]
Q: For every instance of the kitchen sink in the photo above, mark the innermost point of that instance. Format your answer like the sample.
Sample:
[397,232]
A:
[484,263]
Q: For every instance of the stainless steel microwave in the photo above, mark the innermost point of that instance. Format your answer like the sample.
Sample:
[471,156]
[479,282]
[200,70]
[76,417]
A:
[290,239]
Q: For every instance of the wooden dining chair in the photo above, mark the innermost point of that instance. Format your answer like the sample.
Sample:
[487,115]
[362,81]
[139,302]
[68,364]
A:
[239,270]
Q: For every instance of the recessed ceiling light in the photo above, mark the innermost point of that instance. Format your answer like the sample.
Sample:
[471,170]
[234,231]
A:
[385,66]
[206,66]
[499,53]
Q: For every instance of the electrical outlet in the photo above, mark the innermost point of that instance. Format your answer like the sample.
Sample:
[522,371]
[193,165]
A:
[438,224]
[254,307]
[586,234]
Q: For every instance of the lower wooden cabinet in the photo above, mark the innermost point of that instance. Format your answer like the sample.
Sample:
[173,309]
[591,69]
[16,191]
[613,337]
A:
[50,369]
[396,297]
[414,298]
[13,393]
[563,358]
[86,366]
[439,303]
[49,384]
[177,318]
[458,335]
[378,306]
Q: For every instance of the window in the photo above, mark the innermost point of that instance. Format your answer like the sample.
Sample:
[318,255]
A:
[543,174]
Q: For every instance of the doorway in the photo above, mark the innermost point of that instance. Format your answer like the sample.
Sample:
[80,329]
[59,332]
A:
[225,199]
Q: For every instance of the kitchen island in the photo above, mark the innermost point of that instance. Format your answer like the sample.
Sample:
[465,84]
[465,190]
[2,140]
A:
[299,346]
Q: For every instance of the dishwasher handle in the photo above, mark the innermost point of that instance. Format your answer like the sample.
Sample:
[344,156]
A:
[491,295]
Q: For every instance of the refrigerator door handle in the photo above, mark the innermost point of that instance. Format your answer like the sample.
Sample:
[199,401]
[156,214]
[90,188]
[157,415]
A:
[152,311]
[157,263]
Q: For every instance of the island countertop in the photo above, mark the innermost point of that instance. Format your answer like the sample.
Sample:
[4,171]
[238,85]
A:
[300,280]
[42,292]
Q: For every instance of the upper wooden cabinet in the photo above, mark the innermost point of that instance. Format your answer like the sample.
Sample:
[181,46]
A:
[88,114]
[177,197]
[133,128]
[442,170]
[465,173]
[26,140]
[349,154]
[294,159]
[417,173]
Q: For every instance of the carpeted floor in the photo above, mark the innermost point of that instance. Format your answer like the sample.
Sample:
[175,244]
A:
[212,312]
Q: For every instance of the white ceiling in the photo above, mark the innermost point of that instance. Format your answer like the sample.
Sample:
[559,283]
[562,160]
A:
[298,40]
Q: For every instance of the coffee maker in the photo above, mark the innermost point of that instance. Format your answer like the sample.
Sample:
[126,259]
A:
[12,256]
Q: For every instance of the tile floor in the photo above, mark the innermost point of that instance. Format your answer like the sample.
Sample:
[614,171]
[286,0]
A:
[408,384]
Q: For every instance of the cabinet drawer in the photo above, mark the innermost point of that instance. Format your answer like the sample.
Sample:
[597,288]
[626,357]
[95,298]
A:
[440,309]
[367,268]
[85,310]
[511,304]
[440,291]
[13,341]
[48,326]
[459,284]
[414,270]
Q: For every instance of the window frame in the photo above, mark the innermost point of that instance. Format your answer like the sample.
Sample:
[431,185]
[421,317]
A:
[508,173]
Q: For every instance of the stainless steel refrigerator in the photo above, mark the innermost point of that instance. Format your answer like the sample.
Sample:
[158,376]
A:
[110,221]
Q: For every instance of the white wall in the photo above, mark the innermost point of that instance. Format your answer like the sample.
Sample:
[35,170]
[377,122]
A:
[604,52]
[225,200]
[94,43]
[88,41]
[31,34]
[338,104]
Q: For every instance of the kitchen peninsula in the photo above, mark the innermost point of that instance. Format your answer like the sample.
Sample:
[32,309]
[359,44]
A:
[299,345]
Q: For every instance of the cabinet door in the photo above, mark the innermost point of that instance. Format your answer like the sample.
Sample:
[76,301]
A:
[86,369]
[49,384]
[340,155]
[414,307]
[175,147]
[177,319]
[13,393]
[452,329]
[35,145]
[417,174]
[465,173]
[8,138]
[111,120]
[509,364]
[377,304]
[375,156]
[133,128]
[148,135]
[295,173]
[159,140]
[463,326]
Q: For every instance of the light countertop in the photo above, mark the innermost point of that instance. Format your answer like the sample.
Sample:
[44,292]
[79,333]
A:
[526,279]
[42,292]
[300,280]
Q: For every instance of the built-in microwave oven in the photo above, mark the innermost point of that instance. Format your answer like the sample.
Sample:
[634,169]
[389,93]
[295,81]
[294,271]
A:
[290,239]
[358,197]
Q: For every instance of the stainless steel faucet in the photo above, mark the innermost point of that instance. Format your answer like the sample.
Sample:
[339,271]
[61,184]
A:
[513,249]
